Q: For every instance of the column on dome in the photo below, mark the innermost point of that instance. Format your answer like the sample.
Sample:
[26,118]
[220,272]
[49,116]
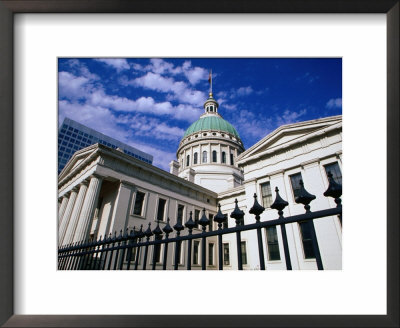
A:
[69,233]
[220,153]
[67,215]
[209,153]
[61,209]
[88,207]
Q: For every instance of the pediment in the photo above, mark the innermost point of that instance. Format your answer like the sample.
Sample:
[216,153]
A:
[288,135]
[76,159]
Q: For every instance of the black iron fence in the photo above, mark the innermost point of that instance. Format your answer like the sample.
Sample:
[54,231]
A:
[122,252]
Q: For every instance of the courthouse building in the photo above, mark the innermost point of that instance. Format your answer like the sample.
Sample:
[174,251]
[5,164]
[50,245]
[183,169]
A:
[102,190]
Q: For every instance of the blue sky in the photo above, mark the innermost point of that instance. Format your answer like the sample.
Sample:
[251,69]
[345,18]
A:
[149,103]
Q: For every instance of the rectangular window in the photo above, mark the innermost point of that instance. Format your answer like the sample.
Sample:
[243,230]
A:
[210,254]
[231,159]
[211,219]
[196,247]
[273,246]
[295,181]
[307,241]
[244,254]
[161,209]
[196,217]
[226,254]
[266,194]
[204,157]
[335,170]
[180,213]
[138,208]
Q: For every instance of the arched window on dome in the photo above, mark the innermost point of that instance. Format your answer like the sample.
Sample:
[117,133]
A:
[195,158]
[187,160]
[214,156]
[204,157]
[223,157]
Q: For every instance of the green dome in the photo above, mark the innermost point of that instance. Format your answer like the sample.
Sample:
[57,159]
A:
[215,123]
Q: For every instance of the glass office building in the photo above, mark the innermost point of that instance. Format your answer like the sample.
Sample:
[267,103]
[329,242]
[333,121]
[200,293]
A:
[73,136]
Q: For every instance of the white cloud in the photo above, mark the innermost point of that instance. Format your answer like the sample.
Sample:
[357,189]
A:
[152,127]
[289,117]
[244,91]
[334,103]
[72,86]
[119,64]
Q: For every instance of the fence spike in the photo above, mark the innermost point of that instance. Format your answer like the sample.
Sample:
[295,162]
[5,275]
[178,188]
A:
[148,232]
[157,231]
[279,204]
[257,209]
[334,190]
[204,222]
[178,227]
[219,217]
[304,197]
[167,229]
[190,223]
[237,213]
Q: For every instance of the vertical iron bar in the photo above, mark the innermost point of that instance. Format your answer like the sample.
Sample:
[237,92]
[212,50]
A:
[239,250]
[220,253]
[153,265]
[111,256]
[177,253]
[189,257]
[146,249]
[137,256]
[116,256]
[203,253]
[315,245]
[121,260]
[165,256]
[105,256]
[286,247]
[91,255]
[129,250]
[260,249]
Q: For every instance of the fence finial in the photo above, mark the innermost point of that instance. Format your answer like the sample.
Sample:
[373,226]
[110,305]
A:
[167,229]
[279,204]
[304,197]
[219,217]
[334,190]
[190,224]
[257,209]
[204,222]
[237,213]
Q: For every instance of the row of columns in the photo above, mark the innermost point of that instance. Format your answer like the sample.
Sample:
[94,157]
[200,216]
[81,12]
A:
[76,211]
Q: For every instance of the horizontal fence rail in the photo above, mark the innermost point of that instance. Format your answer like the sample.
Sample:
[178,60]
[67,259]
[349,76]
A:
[122,252]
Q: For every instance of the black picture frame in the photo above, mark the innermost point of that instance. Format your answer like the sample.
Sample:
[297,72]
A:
[7,11]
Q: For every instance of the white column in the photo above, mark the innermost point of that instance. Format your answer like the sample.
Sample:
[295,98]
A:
[62,208]
[69,234]
[209,153]
[220,154]
[88,207]
[67,215]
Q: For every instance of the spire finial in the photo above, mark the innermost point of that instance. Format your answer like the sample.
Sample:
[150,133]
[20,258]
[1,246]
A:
[210,81]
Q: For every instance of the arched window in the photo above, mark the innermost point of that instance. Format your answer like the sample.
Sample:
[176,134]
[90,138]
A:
[223,157]
[187,160]
[204,157]
[214,156]
[195,158]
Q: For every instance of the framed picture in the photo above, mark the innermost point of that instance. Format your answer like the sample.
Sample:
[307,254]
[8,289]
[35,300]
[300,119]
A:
[24,296]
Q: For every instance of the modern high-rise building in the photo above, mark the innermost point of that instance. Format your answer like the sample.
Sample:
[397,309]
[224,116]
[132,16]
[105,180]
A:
[73,136]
